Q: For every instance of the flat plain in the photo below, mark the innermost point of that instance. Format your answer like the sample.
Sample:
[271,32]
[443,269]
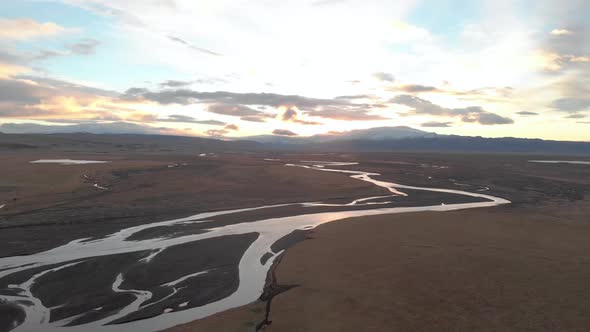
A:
[518,266]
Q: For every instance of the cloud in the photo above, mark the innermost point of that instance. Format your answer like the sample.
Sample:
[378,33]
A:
[575,116]
[217,132]
[411,88]
[30,91]
[186,97]
[283,132]
[467,114]
[526,113]
[435,124]
[174,84]
[23,29]
[9,66]
[254,118]
[187,44]
[30,97]
[231,127]
[46,54]
[346,114]
[571,104]
[354,97]
[22,91]
[560,32]
[190,119]
[84,47]
[291,115]
[239,104]
[387,77]
[234,110]
[485,118]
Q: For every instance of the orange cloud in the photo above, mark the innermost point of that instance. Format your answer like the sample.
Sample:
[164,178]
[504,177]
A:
[22,29]
[8,70]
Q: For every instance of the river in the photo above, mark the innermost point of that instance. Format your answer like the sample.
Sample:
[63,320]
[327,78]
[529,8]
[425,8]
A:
[167,303]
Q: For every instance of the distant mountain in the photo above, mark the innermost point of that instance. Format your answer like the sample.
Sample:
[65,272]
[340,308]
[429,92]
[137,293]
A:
[454,143]
[371,134]
[383,139]
[413,140]
[375,134]
[106,143]
[91,128]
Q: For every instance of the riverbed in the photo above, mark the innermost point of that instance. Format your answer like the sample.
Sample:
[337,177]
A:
[129,297]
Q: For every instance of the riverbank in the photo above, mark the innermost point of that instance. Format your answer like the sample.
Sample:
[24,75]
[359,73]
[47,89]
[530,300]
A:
[490,269]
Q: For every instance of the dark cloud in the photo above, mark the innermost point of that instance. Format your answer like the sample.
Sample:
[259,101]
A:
[575,116]
[571,104]
[186,97]
[231,127]
[217,132]
[84,47]
[412,88]
[191,46]
[379,106]
[573,42]
[10,56]
[435,124]
[189,119]
[283,132]
[21,92]
[354,113]
[526,113]
[467,114]
[387,77]
[485,118]
[291,115]
[178,84]
[254,118]
[354,97]
[18,111]
[569,46]
[175,84]
[234,110]
[45,54]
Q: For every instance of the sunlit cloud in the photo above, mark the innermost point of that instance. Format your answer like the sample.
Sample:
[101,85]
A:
[23,28]
[561,32]
[256,66]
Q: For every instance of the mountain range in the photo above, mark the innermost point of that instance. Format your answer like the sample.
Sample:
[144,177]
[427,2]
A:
[124,136]
[408,139]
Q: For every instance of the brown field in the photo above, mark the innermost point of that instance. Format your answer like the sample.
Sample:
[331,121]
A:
[519,267]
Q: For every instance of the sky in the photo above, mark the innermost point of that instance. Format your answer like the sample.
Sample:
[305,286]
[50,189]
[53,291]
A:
[232,68]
